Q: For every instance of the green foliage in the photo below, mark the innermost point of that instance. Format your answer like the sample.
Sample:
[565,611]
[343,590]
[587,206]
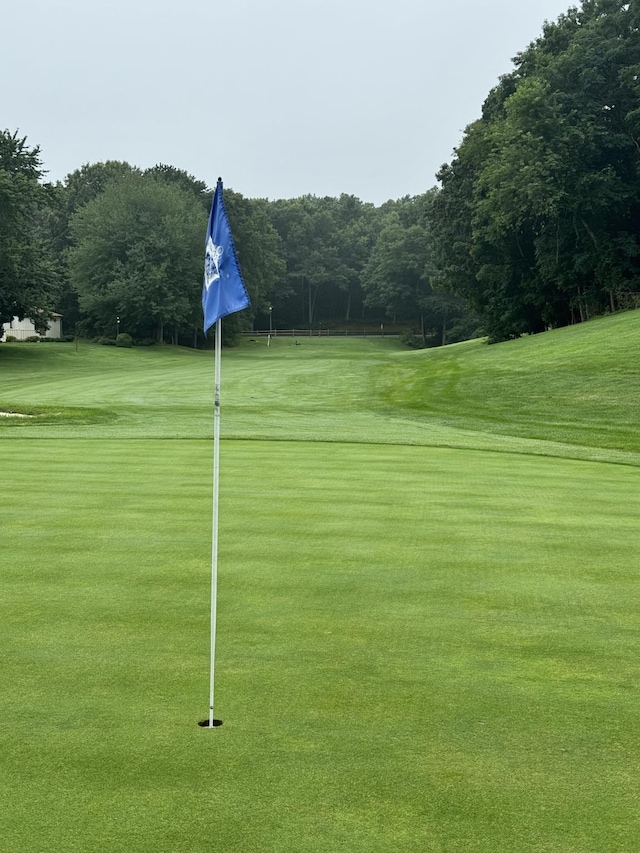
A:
[327,242]
[124,340]
[182,179]
[78,189]
[91,180]
[537,219]
[410,340]
[398,276]
[260,255]
[136,250]
[10,338]
[137,255]
[29,275]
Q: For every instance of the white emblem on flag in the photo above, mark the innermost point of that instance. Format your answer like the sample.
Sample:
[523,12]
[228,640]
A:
[212,257]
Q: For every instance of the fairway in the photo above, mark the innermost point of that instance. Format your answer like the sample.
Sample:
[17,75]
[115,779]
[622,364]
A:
[427,636]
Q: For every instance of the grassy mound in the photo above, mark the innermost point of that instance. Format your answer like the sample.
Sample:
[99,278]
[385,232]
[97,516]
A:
[578,385]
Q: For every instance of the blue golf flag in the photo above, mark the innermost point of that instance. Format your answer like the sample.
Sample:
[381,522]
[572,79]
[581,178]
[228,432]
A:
[224,290]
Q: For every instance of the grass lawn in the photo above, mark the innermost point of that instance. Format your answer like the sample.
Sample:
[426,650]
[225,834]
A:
[428,636]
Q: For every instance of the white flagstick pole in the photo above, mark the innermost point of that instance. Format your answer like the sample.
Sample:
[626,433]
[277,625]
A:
[214,525]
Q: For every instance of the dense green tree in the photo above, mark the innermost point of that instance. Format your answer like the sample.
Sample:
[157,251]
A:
[327,242]
[259,249]
[305,227]
[29,275]
[79,188]
[537,220]
[87,183]
[396,277]
[171,175]
[137,255]
[357,226]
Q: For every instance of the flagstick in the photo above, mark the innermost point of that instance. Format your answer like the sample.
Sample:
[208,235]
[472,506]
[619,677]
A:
[214,525]
[223,292]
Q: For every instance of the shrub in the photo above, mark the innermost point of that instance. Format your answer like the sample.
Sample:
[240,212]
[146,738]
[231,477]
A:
[32,339]
[10,338]
[124,340]
[145,342]
[107,342]
[413,341]
[68,339]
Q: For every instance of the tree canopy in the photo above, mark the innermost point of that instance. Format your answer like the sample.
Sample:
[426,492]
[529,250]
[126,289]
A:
[537,220]
[136,255]
[29,275]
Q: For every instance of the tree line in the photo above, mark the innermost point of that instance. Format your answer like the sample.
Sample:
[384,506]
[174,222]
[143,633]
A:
[123,248]
[533,224]
[538,216]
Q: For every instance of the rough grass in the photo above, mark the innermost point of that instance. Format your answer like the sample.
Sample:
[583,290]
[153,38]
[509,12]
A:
[421,648]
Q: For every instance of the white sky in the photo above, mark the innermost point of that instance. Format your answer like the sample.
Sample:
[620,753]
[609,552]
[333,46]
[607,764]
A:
[280,97]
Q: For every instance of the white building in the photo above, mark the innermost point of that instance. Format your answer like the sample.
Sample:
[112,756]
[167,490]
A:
[21,329]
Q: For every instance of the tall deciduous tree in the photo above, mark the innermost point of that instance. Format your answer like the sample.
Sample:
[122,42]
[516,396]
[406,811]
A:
[260,254]
[78,189]
[137,255]
[327,242]
[537,221]
[29,276]
[398,276]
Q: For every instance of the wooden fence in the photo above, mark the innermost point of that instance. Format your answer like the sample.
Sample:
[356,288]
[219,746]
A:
[322,333]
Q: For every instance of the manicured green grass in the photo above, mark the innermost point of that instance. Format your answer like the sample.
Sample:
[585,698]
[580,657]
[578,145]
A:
[572,392]
[421,647]
[579,385]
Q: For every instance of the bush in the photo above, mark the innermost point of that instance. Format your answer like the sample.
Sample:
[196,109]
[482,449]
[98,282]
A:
[68,339]
[106,342]
[32,339]
[10,338]
[145,342]
[124,340]
[413,341]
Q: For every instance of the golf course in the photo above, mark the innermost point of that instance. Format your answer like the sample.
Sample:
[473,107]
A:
[428,633]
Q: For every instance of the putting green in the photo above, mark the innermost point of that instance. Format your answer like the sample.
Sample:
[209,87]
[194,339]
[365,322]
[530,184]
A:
[420,648]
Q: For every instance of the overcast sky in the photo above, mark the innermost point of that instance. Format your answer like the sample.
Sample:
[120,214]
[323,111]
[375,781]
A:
[280,97]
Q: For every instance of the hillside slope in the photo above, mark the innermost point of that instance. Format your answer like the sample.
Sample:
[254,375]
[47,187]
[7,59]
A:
[578,385]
